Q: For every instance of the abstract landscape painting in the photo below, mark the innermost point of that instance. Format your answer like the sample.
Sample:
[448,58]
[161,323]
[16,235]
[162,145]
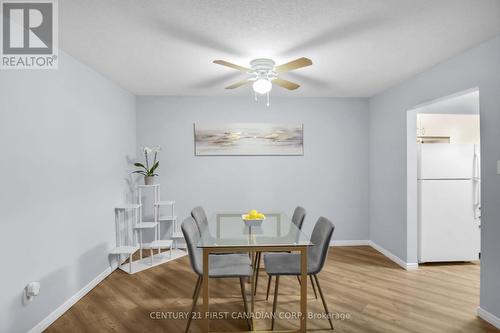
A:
[248,139]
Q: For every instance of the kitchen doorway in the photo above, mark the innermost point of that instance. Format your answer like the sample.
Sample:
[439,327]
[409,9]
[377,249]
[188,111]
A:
[443,180]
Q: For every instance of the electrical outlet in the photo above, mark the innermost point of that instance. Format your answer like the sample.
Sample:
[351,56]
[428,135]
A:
[32,290]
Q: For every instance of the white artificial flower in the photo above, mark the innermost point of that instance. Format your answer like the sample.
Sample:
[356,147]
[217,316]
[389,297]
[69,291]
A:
[156,149]
[148,150]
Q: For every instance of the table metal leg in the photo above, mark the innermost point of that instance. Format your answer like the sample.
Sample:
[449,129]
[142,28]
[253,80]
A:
[275,301]
[257,268]
[303,289]
[245,303]
[206,323]
[252,298]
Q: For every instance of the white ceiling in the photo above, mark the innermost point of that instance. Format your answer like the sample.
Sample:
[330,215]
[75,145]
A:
[358,47]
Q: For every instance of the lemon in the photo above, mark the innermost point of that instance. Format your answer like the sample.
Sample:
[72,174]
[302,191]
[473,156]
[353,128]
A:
[254,215]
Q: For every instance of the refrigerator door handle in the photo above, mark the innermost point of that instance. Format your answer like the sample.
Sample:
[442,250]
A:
[476,192]
[475,178]
[474,162]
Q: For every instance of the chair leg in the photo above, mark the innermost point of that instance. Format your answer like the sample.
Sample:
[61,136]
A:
[314,287]
[324,302]
[196,286]
[257,272]
[275,301]
[298,279]
[195,299]
[243,294]
[268,286]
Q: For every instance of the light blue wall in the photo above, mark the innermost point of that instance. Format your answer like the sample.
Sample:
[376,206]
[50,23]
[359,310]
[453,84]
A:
[478,67]
[331,179]
[65,136]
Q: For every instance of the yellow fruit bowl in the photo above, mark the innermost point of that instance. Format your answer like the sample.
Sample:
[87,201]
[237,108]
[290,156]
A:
[253,218]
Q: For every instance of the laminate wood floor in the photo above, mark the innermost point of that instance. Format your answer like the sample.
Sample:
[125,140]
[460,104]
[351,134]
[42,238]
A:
[371,293]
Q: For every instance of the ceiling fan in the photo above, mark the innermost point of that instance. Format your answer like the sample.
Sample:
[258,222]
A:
[265,72]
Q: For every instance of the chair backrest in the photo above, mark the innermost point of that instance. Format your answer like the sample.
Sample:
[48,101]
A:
[198,214]
[299,214]
[320,237]
[192,236]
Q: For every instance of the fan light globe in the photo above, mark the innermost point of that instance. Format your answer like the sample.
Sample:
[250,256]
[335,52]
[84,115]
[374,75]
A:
[262,86]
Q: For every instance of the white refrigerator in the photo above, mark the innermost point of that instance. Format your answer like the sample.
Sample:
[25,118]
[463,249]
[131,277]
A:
[449,202]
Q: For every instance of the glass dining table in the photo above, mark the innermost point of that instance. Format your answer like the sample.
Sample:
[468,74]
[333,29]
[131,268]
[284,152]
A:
[227,232]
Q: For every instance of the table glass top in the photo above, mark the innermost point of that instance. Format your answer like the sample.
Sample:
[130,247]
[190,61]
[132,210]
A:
[229,230]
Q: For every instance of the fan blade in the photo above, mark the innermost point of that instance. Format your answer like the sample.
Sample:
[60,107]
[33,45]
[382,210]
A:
[294,64]
[286,84]
[238,84]
[228,64]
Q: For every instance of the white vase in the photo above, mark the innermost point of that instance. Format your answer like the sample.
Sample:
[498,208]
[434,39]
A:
[149,180]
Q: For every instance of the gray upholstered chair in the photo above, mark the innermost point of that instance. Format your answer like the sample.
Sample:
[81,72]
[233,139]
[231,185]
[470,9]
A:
[199,215]
[278,264]
[220,266]
[298,217]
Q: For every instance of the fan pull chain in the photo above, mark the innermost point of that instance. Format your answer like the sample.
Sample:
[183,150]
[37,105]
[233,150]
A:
[255,96]
[268,99]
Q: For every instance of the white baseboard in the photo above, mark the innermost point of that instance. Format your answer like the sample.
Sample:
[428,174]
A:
[489,317]
[47,321]
[385,252]
[393,257]
[411,265]
[349,242]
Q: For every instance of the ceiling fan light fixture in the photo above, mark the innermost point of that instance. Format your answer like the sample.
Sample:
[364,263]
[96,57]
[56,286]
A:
[265,74]
[262,86]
